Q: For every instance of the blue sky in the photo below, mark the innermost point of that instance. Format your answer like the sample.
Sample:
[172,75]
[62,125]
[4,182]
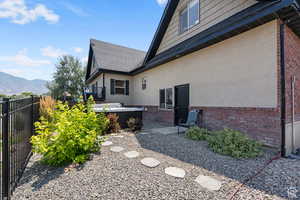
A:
[35,32]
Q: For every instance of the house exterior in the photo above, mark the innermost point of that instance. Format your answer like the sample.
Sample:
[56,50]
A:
[237,61]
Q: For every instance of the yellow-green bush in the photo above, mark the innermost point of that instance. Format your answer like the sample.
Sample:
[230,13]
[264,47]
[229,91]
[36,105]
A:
[70,136]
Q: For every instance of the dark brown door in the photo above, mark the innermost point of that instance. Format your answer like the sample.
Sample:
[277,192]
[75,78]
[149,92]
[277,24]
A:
[182,102]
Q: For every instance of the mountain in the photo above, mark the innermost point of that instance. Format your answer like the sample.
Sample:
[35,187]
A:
[10,84]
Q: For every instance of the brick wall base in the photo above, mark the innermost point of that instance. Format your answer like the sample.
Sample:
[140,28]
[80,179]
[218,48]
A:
[262,124]
[259,124]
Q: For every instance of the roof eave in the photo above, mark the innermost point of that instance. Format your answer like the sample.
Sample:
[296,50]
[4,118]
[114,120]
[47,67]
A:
[228,28]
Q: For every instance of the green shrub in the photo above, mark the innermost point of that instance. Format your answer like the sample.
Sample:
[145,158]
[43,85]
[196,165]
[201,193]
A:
[196,133]
[70,136]
[113,125]
[134,124]
[234,143]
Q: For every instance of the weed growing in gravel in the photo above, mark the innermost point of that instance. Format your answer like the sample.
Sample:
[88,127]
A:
[227,142]
[196,133]
[234,143]
[71,134]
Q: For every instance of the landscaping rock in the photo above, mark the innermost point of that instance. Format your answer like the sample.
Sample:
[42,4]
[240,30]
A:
[107,143]
[150,162]
[132,154]
[176,172]
[209,183]
[116,149]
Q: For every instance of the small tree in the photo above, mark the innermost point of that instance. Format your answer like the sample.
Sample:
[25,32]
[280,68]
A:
[69,77]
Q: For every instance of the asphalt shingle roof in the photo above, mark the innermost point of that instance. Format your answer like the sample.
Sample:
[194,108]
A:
[114,57]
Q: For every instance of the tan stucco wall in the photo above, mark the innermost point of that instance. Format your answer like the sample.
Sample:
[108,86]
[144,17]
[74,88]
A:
[211,13]
[127,100]
[238,72]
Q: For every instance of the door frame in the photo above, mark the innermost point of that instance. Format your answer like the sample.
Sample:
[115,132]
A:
[175,98]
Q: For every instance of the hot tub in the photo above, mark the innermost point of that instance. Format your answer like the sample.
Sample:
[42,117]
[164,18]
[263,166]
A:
[124,113]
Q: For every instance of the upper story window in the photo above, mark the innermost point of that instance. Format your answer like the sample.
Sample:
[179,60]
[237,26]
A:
[189,16]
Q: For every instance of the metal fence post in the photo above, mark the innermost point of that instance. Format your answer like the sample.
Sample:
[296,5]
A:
[32,113]
[6,149]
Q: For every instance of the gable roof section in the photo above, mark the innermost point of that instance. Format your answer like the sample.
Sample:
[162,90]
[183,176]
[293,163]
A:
[162,28]
[113,58]
[258,14]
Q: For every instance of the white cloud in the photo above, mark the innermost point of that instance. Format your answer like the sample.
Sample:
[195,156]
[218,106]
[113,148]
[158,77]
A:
[77,49]
[162,2]
[52,52]
[74,9]
[19,13]
[21,59]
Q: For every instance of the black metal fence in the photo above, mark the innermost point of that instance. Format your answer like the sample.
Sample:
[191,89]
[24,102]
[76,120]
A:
[16,127]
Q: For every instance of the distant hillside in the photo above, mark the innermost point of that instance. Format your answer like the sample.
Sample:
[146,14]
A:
[14,85]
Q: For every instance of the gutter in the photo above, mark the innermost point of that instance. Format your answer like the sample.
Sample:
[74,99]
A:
[282,80]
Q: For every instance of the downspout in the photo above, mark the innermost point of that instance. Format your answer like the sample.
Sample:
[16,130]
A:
[282,81]
[293,114]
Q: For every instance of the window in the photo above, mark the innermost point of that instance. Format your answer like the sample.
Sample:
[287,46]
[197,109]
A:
[119,87]
[144,83]
[189,16]
[166,98]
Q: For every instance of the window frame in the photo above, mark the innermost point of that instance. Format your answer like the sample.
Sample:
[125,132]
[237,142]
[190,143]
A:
[118,87]
[187,8]
[166,106]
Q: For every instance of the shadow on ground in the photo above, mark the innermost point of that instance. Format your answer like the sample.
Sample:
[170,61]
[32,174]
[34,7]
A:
[271,181]
[38,174]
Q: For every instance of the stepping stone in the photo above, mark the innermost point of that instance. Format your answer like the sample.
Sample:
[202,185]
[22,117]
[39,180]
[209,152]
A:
[176,172]
[116,149]
[118,136]
[144,133]
[132,154]
[107,143]
[150,162]
[209,183]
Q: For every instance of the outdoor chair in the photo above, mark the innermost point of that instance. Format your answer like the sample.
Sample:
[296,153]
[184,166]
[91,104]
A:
[192,120]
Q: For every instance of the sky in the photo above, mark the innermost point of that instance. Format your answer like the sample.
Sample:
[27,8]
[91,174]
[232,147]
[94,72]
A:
[34,33]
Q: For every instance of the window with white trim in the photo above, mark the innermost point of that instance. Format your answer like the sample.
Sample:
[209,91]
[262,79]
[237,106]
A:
[166,98]
[189,16]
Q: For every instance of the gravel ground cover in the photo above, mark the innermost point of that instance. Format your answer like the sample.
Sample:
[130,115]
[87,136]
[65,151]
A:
[110,175]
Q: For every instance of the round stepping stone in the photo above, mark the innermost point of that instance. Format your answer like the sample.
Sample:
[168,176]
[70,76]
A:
[107,143]
[118,136]
[176,172]
[132,154]
[116,149]
[150,162]
[209,183]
